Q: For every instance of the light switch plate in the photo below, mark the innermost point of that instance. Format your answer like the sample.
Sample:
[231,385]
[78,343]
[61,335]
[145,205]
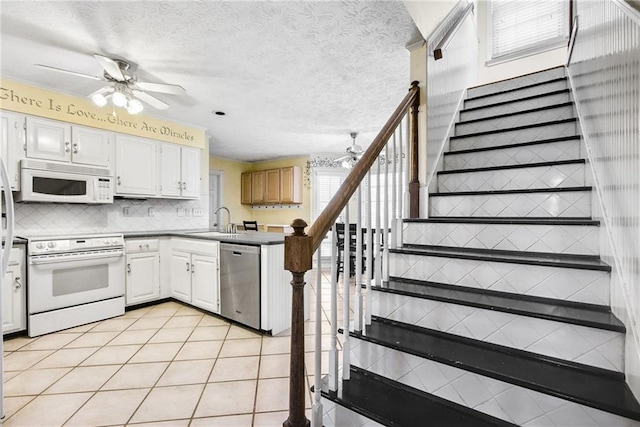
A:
[198,212]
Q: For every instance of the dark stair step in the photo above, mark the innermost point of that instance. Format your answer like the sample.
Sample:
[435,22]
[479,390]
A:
[586,262]
[394,404]
[591,315]
[511,101]
[504,220]
[515,113]
[515,89]
[521,144]
[524,190]
[516,166]
[593,387]
[542,124]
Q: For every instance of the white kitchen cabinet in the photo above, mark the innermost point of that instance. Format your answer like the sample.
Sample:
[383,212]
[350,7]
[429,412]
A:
[195,273]
[12,140]
[136,166]
[61,141]
[14,315]
[179,171]
[142,270]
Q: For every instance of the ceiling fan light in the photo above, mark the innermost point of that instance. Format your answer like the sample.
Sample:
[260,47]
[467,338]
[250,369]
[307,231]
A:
[99,99]
[134,106]
[347,164]
[119,99]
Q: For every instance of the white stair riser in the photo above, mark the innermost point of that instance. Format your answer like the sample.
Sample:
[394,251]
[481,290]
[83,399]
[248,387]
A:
[576,204]
[516,94]
[516,106]
[518,136]
[558,239]
[497,398]
[569,284]
[550,152]
[335,415]
[554,176]
[515,120]
[517,82]
[581,344]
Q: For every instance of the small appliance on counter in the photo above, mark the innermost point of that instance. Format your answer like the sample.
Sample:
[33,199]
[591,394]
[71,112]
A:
[74,281]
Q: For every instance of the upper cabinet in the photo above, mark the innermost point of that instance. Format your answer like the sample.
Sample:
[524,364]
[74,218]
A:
[283,185]
[54,140]
[136,166]
[180,171]
[11,144]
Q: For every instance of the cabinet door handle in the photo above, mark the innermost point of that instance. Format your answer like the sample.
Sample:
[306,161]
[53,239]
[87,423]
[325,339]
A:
[179,185]
[188,266]
[129,268]
[18,285]
[184,185]
[67,147]
[76,148]
[118,179]
[193,268]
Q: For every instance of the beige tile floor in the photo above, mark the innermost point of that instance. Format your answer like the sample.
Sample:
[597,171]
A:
[164,365]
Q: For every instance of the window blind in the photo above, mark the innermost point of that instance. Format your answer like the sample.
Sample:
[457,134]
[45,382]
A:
[527,24]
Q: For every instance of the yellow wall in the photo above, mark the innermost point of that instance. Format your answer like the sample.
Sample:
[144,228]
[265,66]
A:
[231,197]
[40,102]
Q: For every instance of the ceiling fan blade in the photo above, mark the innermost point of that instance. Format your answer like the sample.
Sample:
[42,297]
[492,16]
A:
[161,87]
[60,70]
[340,159]
[110,66]
[151,100]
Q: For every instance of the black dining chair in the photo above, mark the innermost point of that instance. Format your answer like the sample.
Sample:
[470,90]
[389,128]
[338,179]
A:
[340,242]
[250,225]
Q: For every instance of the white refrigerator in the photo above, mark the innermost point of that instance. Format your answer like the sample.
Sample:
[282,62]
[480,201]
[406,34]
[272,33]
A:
[7,210]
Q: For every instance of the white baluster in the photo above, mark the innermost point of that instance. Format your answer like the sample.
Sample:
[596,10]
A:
[333,350]
[394,189]
[385,231]
[378,231]
[401,185]
[346,272]
[357,302]
[370,240]
[316,412]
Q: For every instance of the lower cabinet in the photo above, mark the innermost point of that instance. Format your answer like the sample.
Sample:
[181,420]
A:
[195,273]
[14,306]
[142,270]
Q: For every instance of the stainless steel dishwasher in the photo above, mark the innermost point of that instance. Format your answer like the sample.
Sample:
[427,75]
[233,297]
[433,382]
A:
[240,283]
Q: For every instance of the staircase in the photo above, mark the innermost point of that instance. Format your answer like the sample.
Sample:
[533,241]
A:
[496,311]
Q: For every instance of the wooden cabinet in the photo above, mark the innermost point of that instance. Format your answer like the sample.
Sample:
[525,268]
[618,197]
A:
[179,171]
[142,271]
[14,315]
[290,185]
[283,185]
[257,187]
[136,166]
[12,141]
[245,188]
[272,186]
[54,140]
[195,273]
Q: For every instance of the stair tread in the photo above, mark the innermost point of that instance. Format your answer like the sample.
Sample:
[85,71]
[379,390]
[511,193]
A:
[515,166]
[524,190]
[392,403]
[511,101]
[533,125]
[505,220]
[507,146]
[515,113]
[581,385]
[514,89]
[546,70]
[585,315]
[550,260]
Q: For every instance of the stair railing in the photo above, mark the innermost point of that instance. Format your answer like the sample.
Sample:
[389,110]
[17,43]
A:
[300,247]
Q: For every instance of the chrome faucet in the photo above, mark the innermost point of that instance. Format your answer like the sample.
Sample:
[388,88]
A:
[231,228]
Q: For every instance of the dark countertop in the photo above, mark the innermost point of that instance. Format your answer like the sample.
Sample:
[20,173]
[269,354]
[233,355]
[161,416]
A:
[254,238]
[17,241]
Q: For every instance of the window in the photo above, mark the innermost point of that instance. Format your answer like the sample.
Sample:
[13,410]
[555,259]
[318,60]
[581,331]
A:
[522,27]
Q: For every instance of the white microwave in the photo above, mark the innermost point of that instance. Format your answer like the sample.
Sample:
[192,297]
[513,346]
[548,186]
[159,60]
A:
[64,183]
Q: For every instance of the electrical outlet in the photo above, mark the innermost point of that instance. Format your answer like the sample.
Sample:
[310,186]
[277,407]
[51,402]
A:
[126,211]
[198,212]
[151,212]
[180,211]
[187,212]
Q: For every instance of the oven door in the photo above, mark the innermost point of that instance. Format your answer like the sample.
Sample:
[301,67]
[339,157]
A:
[64,280]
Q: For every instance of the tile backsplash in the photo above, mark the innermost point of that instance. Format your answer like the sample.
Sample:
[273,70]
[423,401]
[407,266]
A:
[122,216]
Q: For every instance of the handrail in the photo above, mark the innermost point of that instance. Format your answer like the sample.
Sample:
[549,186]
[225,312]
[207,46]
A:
[299,247]
[331,212]
[444,42]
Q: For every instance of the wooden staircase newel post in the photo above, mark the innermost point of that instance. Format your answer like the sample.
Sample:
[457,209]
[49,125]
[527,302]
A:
[297,260]
[414,183]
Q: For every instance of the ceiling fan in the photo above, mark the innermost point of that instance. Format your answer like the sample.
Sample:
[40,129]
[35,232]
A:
[124,88]
[354,152]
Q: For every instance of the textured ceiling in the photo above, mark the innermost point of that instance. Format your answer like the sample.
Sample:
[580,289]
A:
[294,77]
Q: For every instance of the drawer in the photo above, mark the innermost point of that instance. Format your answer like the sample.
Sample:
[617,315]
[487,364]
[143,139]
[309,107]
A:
[141,245]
